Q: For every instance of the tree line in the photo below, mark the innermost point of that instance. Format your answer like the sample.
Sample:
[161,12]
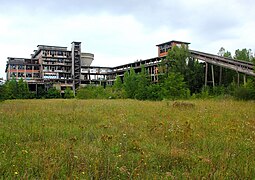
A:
[180,77]
[13,89]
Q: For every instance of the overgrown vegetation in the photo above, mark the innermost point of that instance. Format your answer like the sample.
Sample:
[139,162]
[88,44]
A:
[19,90]
[127,139]
[179,77]
[14,90]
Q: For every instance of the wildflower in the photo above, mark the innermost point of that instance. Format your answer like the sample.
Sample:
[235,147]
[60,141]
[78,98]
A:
[16,173]
[76,157]
[123,169]
[119,155]
[24,151]
[83,172]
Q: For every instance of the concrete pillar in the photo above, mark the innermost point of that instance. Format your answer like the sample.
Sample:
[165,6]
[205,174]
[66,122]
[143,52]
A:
[17,71]
[212,75]
[9,72]
[244,79]
[25,71]
[206,72]
[238,79]
[32,72]
[36,88]
[220,80]
[151,74]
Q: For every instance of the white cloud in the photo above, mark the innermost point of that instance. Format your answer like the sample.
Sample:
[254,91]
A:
[120,33]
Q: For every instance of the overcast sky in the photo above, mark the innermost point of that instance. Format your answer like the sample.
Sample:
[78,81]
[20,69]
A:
[122,31]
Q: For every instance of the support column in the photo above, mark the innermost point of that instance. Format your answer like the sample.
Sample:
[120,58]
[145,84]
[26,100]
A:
[151,74]
[238,79]
[213,76]
[32,72]
[220,80]
[17,72]
[36,89]
[206,72]
[25,71]
[244,79]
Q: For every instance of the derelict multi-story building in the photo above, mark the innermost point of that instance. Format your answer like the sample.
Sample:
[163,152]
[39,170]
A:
[50,66]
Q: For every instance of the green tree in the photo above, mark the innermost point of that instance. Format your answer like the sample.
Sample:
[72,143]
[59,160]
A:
[117,86]
[194,76]
[11,89]
[23,91]
[130,83]
[155,92]
[227,54]
[177,59]
[53,93]
[68,93]
[142,85]
[174,87]
[246,92]
[85,93]
[118,89]
[2,92]
[244,54]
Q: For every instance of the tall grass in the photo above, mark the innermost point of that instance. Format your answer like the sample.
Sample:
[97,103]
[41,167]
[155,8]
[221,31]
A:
[121,139]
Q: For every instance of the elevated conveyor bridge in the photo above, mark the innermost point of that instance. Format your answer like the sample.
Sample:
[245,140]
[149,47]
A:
[229,63]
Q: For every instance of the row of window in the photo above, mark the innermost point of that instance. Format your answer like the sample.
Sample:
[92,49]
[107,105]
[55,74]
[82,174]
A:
[55,53]
[23,75]
[56,63]
[58,60]
[164,50]
[60,68]
[23,67]
[56,76]
[164,46]
[167,46]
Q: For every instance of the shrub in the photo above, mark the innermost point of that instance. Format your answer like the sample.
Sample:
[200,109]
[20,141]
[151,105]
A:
[155,92]
[174,87]
[53,93]
[68,93]
[246,92]
[95,92]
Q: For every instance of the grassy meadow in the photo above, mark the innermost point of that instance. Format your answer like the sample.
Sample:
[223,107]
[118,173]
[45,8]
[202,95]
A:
[127,139]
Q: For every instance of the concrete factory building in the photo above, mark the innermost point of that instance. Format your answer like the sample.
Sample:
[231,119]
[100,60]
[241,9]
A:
[50,66]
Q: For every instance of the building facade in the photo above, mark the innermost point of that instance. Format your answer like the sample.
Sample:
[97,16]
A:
[164,47]
[50,66]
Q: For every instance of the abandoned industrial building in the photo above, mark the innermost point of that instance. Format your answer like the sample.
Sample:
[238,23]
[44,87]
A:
[55,66]
[50,66]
